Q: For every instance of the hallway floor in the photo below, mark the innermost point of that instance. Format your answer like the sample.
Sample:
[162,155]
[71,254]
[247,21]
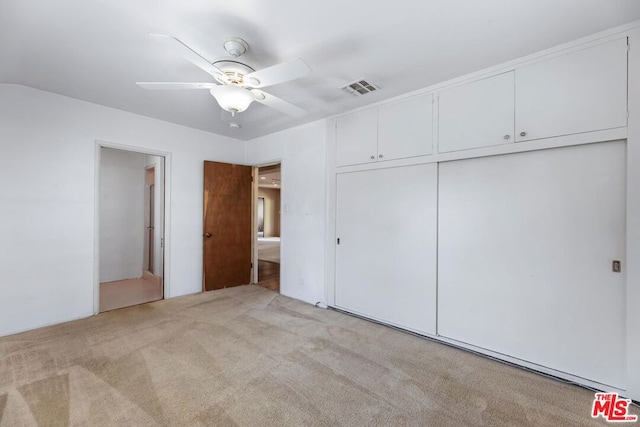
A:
[269,263]
[125,293]
[269,275]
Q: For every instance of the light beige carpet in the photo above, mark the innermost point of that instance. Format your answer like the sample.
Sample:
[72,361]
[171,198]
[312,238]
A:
[269,249]
[247,356]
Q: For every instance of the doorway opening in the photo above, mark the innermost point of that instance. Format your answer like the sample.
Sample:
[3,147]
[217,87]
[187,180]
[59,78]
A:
[131,228]
[267,230]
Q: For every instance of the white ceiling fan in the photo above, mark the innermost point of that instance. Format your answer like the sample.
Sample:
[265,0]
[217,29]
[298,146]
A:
[237,84]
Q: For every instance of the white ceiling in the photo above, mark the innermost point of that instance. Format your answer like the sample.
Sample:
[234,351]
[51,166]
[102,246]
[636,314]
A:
[96,50]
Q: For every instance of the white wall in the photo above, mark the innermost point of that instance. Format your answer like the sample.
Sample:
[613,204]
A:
[302,151]
[47,200]
[121,214]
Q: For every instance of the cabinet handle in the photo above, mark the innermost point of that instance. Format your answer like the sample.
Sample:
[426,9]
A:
[507,136]
[523,133]
[380,156]
[373,157]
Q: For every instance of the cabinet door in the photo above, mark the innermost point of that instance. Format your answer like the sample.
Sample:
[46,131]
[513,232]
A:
[579,92]
[386,258]
[405,129]
[478,114]
[357,138]
[526,244]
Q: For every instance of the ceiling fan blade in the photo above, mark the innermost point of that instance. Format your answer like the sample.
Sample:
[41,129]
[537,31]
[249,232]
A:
[174,85]
[277,74]
[192,56]
[278,104]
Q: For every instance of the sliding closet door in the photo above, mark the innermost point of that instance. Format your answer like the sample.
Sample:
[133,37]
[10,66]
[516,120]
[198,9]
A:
[527,243]
[386,255]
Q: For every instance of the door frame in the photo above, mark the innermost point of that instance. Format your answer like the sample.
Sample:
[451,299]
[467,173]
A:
[98,145]
[254,214]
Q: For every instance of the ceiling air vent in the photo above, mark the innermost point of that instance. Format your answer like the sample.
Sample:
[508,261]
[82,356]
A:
[359,87]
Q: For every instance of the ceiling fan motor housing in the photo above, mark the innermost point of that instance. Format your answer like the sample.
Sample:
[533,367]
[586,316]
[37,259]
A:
[234,71]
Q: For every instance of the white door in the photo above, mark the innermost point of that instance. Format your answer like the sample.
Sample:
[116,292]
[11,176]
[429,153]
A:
[405,128]
[357,138]
[579,92]
[526,244]
[477,114]
[386,257]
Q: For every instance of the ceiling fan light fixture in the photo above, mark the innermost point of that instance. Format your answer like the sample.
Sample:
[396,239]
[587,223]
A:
[232,98]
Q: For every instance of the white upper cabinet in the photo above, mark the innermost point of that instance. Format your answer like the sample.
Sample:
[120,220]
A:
[395,131]
[477,114]
[405,129]
[579,92]
[357,138]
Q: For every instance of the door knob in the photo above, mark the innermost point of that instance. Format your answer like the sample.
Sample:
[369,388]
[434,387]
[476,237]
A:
[507,136]
[523,133]
[373,157]
[380,156]
[207,234]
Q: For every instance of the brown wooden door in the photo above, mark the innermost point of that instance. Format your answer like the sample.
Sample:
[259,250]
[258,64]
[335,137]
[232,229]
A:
[227,225]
